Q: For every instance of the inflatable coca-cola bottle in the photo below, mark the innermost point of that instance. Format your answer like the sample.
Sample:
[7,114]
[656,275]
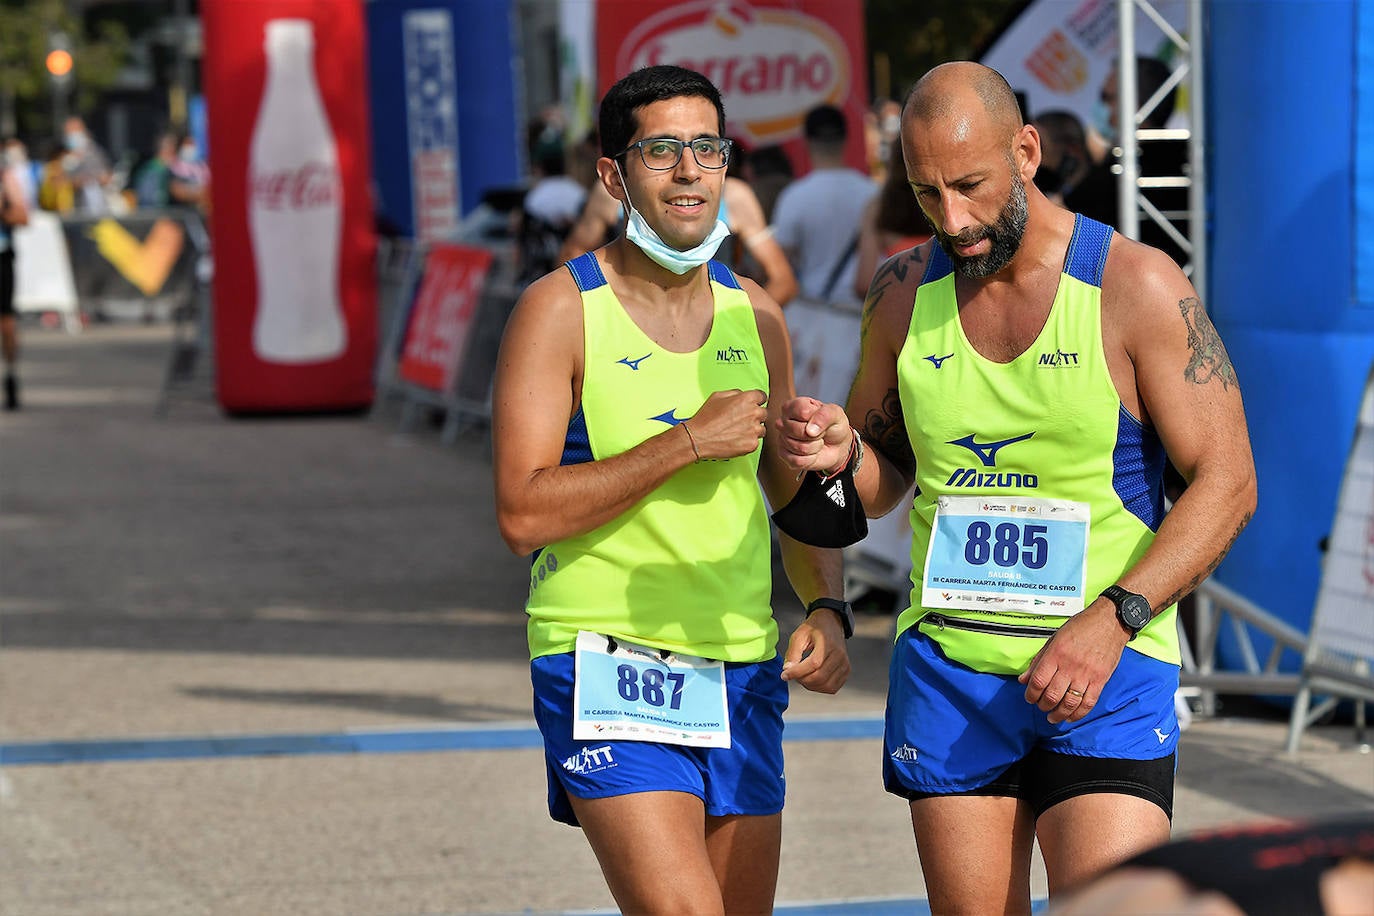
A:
[295,203]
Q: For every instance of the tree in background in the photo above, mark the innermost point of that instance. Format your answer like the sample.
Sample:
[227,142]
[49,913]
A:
[913,37]
[25,86]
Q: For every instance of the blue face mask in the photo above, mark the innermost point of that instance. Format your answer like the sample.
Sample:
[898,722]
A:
[1102,121]
[638,231]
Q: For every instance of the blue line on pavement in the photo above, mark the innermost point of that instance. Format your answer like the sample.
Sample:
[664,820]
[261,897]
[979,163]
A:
[491,737]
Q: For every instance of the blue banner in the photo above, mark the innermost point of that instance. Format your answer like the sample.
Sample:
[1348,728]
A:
[446,115]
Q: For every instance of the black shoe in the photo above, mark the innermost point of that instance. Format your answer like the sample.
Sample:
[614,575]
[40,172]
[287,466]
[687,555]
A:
[11,392]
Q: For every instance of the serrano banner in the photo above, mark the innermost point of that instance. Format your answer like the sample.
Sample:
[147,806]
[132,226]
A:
[773,60]
[294,287]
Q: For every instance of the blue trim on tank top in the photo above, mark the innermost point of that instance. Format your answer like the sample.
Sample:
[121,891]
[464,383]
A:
[587,272]
[1088,248]
[939,266]
[1138,469]
[577,444]
[722,275]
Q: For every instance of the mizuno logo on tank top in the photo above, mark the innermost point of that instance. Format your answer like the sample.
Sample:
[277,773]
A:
[667,417]
[1042,430]
[634,363]
[987,454]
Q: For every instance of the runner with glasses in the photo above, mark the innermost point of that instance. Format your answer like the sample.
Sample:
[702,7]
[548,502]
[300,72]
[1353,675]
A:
[633,419]
[739,209]
[661,153]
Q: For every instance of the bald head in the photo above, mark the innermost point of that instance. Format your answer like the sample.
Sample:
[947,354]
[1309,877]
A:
[965,93]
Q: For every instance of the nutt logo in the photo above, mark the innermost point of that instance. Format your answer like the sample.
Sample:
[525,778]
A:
[772,65]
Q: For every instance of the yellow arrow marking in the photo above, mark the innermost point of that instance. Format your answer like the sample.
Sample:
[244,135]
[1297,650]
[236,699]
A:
[145,264]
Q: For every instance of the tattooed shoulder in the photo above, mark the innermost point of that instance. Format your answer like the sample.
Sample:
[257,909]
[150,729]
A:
[894,272]
[1207,357]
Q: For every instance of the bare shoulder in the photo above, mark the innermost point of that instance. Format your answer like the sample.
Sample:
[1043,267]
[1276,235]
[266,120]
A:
[1141,287]
[549,310]
[1152,314]
[746,213]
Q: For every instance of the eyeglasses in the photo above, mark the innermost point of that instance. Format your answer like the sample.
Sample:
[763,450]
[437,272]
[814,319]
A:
[663,153]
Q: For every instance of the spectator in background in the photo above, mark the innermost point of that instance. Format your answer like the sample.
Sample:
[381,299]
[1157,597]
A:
[25,172]
[13,212]
[87,167]
[1097,195]
[816,220]
[163,181]
[891,223]
[768,171]
[192,173]
[882,130]
[55,190]
[1064,158]
[547,212]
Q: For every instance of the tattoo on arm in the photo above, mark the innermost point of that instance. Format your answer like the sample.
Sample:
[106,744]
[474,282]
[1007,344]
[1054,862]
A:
[892,273]
[1211,567]
[885,430]
[1208,359]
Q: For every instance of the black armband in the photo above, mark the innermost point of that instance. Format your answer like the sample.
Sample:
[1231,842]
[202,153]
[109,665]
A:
[826,512]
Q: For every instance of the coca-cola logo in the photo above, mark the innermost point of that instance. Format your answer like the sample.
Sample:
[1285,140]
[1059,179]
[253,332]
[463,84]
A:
[312,185]
[772,66]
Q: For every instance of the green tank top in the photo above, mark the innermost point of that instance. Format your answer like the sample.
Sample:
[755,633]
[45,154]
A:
[1049,425]
[688,568]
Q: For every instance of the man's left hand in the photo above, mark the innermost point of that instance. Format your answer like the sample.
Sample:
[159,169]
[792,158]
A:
[816,654]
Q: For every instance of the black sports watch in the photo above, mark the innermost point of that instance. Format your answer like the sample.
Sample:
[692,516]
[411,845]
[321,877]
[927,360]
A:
[839,607]
[1132,610]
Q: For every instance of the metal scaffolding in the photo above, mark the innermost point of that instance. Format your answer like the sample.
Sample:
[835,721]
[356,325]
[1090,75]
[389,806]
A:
[1133,187]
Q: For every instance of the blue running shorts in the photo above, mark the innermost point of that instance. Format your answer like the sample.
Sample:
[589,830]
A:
[745,778]
[952,730]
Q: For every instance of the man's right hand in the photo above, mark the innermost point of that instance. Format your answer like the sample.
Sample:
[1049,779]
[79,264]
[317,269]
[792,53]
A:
[815,436]
[729,424]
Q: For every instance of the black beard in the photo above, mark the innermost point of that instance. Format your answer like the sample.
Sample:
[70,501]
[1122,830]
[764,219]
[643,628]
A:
[1005,235]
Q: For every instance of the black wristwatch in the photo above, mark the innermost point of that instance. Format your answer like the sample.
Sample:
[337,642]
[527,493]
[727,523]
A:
[839,607]
[1132,610]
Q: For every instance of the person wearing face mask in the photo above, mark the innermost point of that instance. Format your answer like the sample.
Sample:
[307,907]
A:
[190,174]
[741,210]
[1064,161]
[153,183]
[1031,371]
[86,166]
[632,433]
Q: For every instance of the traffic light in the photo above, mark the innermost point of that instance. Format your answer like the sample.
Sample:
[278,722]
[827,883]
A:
[59,60]
[59,64]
